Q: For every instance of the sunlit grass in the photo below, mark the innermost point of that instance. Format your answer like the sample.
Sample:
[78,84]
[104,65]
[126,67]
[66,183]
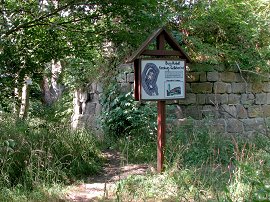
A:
[201,166]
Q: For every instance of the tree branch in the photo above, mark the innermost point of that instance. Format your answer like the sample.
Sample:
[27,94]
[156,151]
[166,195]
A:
[32,23]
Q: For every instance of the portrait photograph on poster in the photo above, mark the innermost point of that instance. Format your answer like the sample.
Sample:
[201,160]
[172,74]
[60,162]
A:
[162,79]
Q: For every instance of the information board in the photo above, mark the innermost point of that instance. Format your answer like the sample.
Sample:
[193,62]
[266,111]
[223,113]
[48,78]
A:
[162,79]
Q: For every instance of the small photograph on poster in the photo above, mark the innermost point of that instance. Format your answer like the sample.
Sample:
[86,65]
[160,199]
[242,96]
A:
[172,88]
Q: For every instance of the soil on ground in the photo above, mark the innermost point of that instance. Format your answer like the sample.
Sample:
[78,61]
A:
[102,186]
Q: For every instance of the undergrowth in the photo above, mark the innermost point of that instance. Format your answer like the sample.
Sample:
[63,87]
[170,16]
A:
[200,165]
[37,154]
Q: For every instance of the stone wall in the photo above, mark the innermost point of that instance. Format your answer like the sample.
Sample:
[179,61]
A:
[87,101]
[233,102]
[224,99]
[227,100]
[87,107]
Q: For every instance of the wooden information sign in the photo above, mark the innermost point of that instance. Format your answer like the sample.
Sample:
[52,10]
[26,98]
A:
[160,78]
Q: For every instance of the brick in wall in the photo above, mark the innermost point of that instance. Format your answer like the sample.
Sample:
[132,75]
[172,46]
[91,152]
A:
[221,87]
[234,126]
[205,87]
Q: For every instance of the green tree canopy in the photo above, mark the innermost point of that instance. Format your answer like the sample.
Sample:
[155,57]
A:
[232,31]
[33,33]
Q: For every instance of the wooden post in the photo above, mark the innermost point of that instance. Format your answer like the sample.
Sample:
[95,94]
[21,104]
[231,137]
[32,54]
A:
[161,121]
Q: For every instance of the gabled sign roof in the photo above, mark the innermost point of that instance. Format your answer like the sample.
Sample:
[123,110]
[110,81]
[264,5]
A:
[177,50]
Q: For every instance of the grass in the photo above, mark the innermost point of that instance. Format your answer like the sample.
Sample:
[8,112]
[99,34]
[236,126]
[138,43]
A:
[200,166]
[39,158]
[49,193]
[37,155]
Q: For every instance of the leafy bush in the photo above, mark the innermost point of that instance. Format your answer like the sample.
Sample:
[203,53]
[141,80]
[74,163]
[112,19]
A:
[123,116]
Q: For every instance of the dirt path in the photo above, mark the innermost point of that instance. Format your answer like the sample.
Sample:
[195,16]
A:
[101,187]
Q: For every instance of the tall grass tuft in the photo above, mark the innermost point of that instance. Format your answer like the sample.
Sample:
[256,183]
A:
[34,154]
[202,166]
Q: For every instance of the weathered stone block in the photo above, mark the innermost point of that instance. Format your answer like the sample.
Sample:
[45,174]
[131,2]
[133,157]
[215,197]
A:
[266,87]
[130,77]
[230,77]
[90,108]
[210,111]
[121,78]
[192,76]
[221,87]
[188,88]
[219,125]
[234,126]
[255,124]
[99,88]
[266,110]
[194,112]
[190,99]
[224,98]
[213,99]
[95,97]
[212,76]
[239,87]
[257,87]
[228,111]
[247,99]
[93,87]
[265,77]
[241,112]
[254,111]
[98,109]
[201,98]
[268,98]
[267,120]
[203,77]
[234,99]
[205,87]
[261,98]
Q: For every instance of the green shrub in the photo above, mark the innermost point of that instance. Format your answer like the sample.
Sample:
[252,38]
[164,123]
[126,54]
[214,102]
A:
[123,116]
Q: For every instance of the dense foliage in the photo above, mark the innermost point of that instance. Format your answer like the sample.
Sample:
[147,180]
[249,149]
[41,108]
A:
[82,34]
[123,116]
[234,32]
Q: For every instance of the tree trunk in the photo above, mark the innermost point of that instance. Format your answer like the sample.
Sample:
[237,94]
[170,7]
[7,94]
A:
[50,88]
[24,98]
[46,95]
[55,89]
